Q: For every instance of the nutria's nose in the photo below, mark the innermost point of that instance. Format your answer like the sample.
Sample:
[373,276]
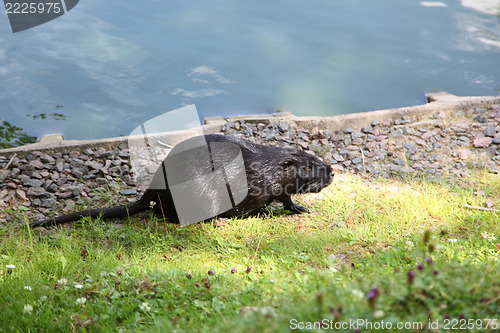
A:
[330,171]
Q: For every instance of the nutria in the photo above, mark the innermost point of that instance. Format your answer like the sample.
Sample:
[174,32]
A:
[268,174]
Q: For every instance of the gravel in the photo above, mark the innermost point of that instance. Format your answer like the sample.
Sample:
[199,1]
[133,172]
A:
[433,146]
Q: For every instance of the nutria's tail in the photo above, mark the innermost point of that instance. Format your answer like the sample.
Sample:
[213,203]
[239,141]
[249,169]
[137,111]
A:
[107,213]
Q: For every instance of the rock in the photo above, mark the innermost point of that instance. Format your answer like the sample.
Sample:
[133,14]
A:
[395,168]
[388,122]
[327,134]
[70,205]
[60,165]
[496,140]
[356,135]
[427,135]
[36,175]
[49,203]
[380,154]
[490,130]
[14,172]
[337,138]
[304,145]
[463,154]
[348,130]
[37,164]
[375,122]
[367,129]
[3,176]
[36,191]
[64,195]
[101,181]
[407,130]
[21,194]
[480,119]
[46,158]
[31,182]
[62,180]
[115,170]
[489,203]
[125,169]
[338,157]
[54,176]
[357,160]
[89,152]
[337,168]
[483,142]
[400,162]
[420,142]
[130,191]
[52,187]
[357,141]
[105,154]
[77,174]
[94,164]
[396,133]
[370,145]
[411,148]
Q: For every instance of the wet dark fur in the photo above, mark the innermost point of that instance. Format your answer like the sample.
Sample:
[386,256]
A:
[273,173]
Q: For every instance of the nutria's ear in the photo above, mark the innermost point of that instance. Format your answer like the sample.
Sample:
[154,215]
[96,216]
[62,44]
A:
[288,162]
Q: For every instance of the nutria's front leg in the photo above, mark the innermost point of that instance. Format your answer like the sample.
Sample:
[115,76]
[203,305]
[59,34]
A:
[289,205]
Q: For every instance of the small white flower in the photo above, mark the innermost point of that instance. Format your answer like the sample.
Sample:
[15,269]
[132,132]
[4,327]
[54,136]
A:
[10,266]
[28,288]
[81,301]
[28,308]
[452,240]
[62,281]
[488,237]
[145,307]
[152,204]
[409,245]
[268,312]
[43,298]
[358,294]
[440,247]
[78,286]
[378,314]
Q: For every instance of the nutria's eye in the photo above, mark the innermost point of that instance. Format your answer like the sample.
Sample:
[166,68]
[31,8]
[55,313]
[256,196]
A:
[288,163]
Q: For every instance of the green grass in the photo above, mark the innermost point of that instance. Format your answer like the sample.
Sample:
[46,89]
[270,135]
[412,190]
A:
[145,275]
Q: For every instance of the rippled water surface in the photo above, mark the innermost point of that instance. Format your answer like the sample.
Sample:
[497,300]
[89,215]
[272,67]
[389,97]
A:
[106,66]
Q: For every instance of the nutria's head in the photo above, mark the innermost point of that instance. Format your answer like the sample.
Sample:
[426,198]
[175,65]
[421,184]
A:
[284,172]
[301,172]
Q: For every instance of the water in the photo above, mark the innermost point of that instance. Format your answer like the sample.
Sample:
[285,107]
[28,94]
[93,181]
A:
[106,66]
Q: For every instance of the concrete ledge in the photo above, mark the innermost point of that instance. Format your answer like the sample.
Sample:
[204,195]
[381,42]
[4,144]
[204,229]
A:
[438,102]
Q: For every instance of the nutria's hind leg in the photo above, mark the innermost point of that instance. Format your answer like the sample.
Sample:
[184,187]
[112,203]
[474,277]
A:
[289,205]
